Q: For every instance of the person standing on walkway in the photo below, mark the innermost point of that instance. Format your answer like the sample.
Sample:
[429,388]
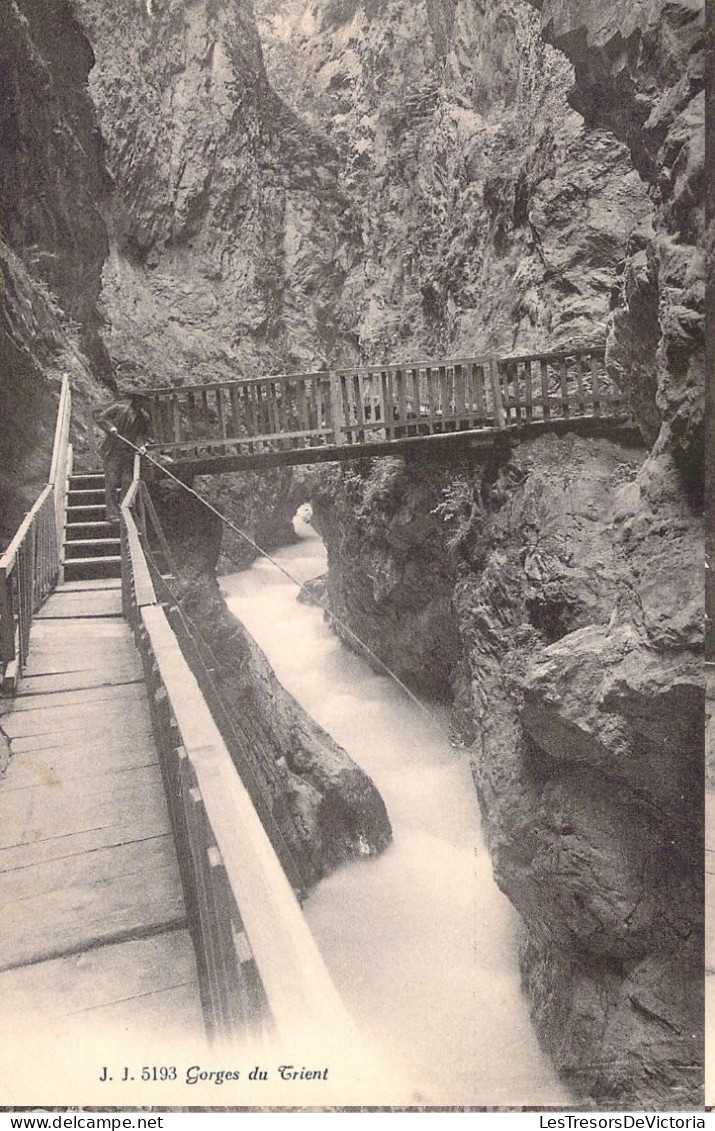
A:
[129,418]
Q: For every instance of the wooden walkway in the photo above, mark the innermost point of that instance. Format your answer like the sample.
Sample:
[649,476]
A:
[93,930]
[418,408]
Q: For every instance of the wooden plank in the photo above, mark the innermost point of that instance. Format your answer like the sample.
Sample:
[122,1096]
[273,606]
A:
[220,414]
[359,399]
[108,975]
[93,698]
[563,379]
[47,661]
[431,397]
[302,405]
[390,403]
[129,733]
[445,405]
[104,603]
[139,825]
[89,586]
[480,402]
[595,386]
[580,385]
[59,765]
[401,392]
[105,800]
[176,1010]
[460,404]
[545,401]
[175,419]
[112,675]
[348,408]
[497,402]
[114,714]
[72,629]
[235,403]
[80,901]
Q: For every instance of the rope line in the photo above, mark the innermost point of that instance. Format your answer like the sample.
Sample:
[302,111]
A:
[143,454]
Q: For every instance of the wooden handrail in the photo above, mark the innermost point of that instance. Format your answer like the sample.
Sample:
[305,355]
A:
[347,409]
[31,565]
[259,968]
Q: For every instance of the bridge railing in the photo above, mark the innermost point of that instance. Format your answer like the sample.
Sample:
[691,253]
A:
[381,403]
[260,973]
[31,565]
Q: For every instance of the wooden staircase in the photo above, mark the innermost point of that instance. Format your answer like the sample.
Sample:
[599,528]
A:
[91,546]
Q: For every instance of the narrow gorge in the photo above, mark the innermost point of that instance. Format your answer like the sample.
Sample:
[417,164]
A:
[212,190]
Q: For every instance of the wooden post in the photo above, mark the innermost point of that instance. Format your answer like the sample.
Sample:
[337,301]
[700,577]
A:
[546,408]
[92,443]
[580,366]
[496,393]
[334,414]
[359,394]
[563,375]
[7,619]
[527,392]
[595,385]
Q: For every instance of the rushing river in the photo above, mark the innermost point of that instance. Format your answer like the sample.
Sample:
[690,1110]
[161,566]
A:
[420,941]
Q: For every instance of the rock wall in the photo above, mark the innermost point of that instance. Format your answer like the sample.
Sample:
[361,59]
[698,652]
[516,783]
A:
[556,591]
[490,217]
[52,239]
[229,233]
[640,73]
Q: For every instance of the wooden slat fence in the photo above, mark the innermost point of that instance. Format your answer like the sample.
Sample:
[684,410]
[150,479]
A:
[31,565]
[363,405]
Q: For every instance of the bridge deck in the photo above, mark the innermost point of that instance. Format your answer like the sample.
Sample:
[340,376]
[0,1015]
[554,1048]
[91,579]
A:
[94,924]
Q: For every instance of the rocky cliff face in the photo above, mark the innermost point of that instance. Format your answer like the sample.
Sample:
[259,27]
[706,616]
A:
[52,238]
[229,234]
[640,73]
[557,593]
[489,216]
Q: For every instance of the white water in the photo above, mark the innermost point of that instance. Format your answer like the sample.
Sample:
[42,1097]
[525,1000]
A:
[420,941]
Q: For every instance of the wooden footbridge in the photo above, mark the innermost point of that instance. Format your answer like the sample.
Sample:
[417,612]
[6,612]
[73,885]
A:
[142,871]
[345,414]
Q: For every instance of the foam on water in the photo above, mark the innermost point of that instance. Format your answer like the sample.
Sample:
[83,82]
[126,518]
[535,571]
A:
[420,941]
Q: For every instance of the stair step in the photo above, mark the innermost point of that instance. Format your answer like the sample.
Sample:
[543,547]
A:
[87,513]
[85,495]
[91,547]
[99,529]
[87,479]
[83,569]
